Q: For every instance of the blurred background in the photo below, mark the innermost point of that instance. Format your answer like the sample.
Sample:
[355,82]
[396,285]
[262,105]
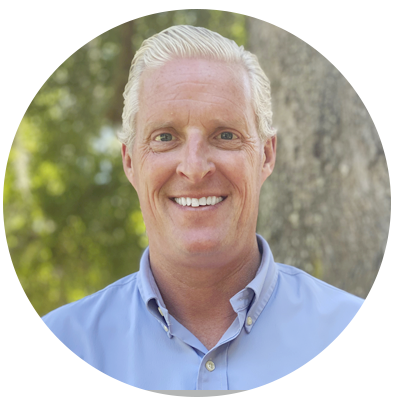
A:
[73,221]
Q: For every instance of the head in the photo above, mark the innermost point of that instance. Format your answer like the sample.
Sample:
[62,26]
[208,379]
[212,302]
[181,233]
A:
[197,124]
[184,41]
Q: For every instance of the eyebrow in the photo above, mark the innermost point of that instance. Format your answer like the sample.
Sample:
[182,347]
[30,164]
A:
[215,123]
[160,125]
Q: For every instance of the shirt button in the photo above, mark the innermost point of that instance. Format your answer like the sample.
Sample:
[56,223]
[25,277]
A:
[210,366]
[165,328]
[159,310]
[249,321]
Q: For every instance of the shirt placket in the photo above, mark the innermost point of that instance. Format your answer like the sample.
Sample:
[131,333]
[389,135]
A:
[213,370]
[212,374]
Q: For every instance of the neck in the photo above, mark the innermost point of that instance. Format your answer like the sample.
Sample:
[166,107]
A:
[197,290]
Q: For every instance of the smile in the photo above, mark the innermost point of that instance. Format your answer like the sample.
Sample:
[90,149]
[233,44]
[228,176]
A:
[203,201]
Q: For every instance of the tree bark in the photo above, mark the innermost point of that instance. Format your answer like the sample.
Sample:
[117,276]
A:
[326,207]
[127,51]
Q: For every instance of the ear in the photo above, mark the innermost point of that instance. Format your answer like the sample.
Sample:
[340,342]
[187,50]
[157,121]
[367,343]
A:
[127,163]
[269,157]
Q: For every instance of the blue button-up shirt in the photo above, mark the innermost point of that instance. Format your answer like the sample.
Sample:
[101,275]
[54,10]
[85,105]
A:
[285,317]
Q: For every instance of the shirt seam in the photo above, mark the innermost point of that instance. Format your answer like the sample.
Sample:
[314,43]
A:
[312,278]
[99,292]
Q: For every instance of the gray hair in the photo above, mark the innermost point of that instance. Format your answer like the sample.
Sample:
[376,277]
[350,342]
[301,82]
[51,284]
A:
[185,41]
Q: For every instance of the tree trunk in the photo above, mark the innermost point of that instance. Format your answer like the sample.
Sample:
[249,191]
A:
[326,207]
[126,32]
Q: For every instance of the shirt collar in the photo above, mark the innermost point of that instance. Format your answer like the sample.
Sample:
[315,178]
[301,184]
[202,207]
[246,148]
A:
[263,283]
[256,293]
[150,293]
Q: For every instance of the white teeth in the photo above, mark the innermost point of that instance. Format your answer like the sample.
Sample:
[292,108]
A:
[193,202]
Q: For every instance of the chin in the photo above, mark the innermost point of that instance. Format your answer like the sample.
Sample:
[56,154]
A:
[201,244]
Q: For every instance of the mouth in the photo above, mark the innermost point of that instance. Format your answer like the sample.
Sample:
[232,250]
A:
[199,202]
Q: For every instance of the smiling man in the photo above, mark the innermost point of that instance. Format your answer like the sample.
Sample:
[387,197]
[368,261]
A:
[197,140]
[209,308]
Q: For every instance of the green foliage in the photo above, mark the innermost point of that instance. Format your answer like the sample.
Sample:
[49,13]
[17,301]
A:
[73,221]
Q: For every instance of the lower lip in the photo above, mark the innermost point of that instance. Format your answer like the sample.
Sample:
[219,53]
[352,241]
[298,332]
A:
[199,208]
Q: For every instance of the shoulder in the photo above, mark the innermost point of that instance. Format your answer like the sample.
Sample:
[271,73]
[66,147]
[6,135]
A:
[301,281]
[302,288]
[316,311]
[80,315]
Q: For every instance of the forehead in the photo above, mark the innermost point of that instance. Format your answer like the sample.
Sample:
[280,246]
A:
[230,77]
[203,88]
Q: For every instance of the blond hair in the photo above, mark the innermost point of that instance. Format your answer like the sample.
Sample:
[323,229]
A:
[185,41]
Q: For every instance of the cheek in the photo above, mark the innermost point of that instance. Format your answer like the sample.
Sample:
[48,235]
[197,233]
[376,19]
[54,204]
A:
[242,168]
[244,175]
[154,171]
[238,171]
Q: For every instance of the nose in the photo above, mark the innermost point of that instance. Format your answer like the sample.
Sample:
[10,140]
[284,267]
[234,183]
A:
[195,163]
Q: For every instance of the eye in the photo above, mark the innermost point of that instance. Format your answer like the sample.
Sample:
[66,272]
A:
[164,137]
[227,136]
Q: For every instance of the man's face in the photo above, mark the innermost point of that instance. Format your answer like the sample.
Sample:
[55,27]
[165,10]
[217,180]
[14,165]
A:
[196,137]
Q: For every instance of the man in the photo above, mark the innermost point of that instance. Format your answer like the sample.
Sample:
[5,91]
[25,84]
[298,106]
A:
[209,308]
